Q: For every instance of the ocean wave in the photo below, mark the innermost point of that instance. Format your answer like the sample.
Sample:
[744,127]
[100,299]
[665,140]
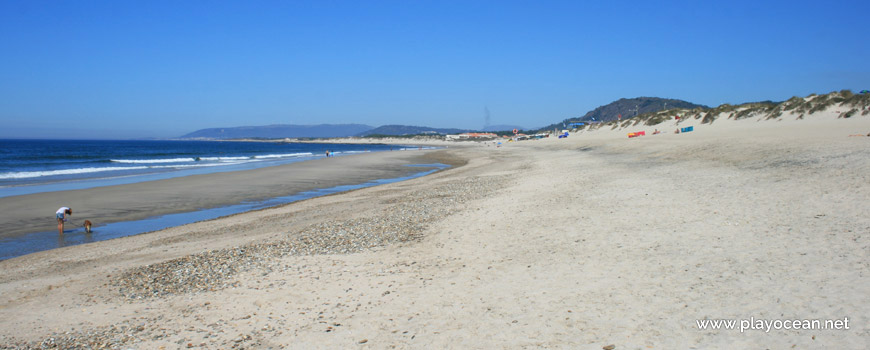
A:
[77,171]
[223,159]
[145,164]
[32,174]
[198,165]
[211,159]
[153,161]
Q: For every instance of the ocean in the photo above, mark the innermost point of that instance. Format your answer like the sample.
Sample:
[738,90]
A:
[33,166]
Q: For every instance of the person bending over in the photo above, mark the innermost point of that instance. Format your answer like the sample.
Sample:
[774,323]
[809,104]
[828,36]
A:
[61,217]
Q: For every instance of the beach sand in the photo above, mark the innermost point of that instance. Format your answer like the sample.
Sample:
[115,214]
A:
[583,242]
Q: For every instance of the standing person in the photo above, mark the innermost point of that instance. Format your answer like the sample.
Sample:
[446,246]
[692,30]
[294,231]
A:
[61,217]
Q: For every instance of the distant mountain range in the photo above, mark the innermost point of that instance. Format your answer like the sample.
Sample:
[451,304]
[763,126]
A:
[628,108]
[279,131]
[325,131]
[398,130]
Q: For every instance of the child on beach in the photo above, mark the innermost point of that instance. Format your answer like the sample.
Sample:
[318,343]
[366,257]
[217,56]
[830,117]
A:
[61,217]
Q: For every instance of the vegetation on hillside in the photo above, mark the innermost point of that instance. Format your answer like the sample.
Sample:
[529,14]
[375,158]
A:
[850,104]
[627,108]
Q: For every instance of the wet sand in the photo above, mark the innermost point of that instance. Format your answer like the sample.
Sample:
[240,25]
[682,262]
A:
[102,205]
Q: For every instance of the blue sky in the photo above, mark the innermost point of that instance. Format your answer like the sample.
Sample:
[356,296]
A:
[119,69]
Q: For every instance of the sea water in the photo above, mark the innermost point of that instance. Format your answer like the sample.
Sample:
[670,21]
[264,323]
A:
[33,166]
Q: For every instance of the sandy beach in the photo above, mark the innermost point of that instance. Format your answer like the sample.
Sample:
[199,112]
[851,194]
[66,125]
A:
[589,242]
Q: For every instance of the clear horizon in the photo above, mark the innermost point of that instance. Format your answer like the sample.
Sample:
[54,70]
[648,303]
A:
[159,69]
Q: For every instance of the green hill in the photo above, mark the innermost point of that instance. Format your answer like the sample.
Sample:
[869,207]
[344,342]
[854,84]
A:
[844,104]
[628,108]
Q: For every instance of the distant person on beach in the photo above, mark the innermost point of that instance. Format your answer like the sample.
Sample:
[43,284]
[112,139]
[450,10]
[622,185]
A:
[61,217]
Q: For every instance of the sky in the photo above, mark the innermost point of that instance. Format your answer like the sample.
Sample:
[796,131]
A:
[135,69]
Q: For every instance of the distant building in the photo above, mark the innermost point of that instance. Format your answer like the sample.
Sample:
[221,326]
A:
[472,135]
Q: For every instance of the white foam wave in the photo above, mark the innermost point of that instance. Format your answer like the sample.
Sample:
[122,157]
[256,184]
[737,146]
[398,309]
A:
[209,162]
[32,174]
[224,159]
[198,165]
[153,161]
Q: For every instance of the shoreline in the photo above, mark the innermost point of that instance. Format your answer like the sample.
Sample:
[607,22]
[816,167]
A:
[15,246]
[25,214]
[90,173]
